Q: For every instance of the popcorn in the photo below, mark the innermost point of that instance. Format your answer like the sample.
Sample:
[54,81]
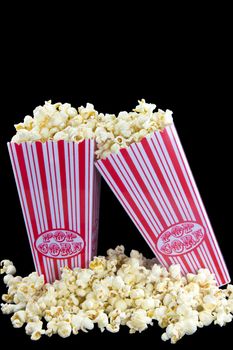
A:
[206,318]
[64,329]
[18,319]
[116,291]
[62,122]
[7,267]
[138,321]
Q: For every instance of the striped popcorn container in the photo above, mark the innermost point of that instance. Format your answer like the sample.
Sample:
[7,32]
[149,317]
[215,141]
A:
[154,183]
[59,191]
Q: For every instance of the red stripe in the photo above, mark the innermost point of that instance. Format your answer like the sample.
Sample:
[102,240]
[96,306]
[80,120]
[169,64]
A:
[75,189]
[27,191]
[162,180]
[24,176]
[154,221]
[23,203]
[37,185]
[106,163]
[81,152]
[151,173]
[176,186]
[170,178]
[62,167]
[33,191]
[69,166]
[175,162]
[208,242]
[55,269]
[205,215]
[90,168]
[44,182]
[142,185]
[56,183]
[52,190]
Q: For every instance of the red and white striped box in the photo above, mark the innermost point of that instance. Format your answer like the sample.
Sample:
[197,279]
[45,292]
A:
[59,191]
[153,181]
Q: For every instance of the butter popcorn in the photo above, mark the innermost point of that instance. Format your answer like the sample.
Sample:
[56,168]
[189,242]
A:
[57,122]
[63,122]
[131,127]
[115,291]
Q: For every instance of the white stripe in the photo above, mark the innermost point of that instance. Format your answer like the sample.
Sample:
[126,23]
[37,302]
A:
[133,193]
[100,166]
[189,213]
[72,186]
[193,261]
[192,268]
[31,187]
[86,201]
[47,272]
[202,255]
[200,203]
[49,268]
[52,262]
[47,173]
[76,165]
[169,180]
[33,176]
[173,260]
[40,185]
[196,260]
[72,262]
[112,184]
[59,188]
[154,180]
[131,180]
[91,192]
[53,181]
[79,260]
[138,161]
[68,183]
[23,202]
[77,197]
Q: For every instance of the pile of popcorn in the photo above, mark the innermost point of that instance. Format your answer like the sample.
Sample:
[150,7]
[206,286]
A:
[63,122]
[114,291]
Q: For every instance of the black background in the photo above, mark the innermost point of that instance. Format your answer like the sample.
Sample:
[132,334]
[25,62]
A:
[181,65]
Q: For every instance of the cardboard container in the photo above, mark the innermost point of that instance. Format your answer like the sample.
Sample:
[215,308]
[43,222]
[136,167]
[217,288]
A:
[154,183]
[59,191]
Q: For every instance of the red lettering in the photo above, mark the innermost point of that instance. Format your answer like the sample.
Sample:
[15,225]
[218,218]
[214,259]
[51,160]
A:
[59,236]
[166,248]
[54,249]
[66,249]
[188,241]
[177,246]
[43,248]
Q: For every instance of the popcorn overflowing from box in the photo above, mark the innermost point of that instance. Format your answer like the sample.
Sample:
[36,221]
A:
[55,156]
[58,186]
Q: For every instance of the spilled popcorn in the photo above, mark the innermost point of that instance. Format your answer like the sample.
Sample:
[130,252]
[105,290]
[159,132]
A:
[115,291]
[63,122]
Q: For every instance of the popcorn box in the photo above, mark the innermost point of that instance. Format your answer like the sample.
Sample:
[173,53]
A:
[154,183]
[59,191]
